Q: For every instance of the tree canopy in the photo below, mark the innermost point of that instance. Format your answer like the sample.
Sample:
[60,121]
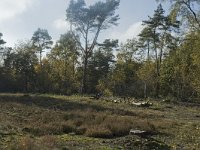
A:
[88,22]
[162,62]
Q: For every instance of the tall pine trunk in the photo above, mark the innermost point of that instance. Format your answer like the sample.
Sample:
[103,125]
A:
[85,66]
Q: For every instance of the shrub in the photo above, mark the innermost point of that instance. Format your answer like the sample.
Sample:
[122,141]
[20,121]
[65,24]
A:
[68,127]
[26,143]
[49,142]
[118,125]
[98,132]
[107,92]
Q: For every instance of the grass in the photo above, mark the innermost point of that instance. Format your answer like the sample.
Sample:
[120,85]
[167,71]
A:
[74,122]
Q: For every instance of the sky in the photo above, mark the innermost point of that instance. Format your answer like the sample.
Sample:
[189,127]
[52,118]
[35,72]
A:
[20,18]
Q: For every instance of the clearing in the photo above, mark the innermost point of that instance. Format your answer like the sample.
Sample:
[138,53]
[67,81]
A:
[32,122]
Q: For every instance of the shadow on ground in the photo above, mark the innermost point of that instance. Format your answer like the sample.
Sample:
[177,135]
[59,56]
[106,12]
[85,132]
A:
[108,123]
[59,104]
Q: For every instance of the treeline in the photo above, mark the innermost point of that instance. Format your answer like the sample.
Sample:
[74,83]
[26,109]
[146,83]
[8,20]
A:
[163,62]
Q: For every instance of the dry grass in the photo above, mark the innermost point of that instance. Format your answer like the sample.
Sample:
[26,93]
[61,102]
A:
[27,143]
[98,131]
[37,121]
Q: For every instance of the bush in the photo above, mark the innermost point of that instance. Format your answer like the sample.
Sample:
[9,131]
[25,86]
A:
[98,132]
[107,92]
[68,127]
[26,143]
[118,125]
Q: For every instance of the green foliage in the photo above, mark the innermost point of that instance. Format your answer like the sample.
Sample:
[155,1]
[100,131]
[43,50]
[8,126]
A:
[124,79]
[62,62]
[24,62]
[1,40]
[99,15]
[157,38]
[160,63]
[41,41]
[88,23]
[147,74]
[180,70]
[100,65]
[18,70]
[187,10]
[105,87]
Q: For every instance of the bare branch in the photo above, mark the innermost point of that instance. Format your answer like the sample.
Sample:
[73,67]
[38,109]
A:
[192,11]
[79,43]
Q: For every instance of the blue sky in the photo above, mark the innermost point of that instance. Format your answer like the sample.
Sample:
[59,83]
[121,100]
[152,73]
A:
[20,18]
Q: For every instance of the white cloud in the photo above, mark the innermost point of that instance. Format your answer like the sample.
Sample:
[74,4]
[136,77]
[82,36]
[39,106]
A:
[11,8]
[131,32]
[61,24]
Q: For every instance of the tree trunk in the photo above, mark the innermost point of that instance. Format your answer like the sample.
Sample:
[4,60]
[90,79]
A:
[157,69]
[85,65]
[40,58]
[145,90]
[26,83]
[73,68]
[148,50]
